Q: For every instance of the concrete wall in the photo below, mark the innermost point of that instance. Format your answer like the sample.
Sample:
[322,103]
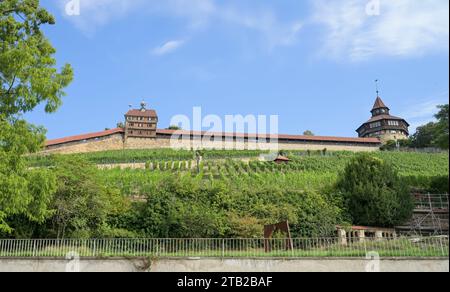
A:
[222,265]
[116,142]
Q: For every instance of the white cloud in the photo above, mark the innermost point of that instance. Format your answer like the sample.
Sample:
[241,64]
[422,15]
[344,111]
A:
[404,28]
[199,14]
[97,13]
[274,32]
[168,47]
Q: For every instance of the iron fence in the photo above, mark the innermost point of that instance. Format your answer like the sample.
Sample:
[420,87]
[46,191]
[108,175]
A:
[226,248]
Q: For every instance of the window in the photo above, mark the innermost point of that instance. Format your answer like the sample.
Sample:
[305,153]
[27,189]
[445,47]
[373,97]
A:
[394,123]
[375,125]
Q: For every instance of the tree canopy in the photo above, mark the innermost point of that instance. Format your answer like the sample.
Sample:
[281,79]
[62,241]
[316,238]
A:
[373,193]
[28,77]
[433,134]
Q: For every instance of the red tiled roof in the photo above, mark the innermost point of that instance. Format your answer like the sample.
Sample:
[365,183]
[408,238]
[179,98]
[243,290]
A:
[139,113]
[379,104]
[282,158]
[279,137]
[83,137]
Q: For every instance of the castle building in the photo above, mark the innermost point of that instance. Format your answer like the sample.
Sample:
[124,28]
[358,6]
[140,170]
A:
[383,125]
[141,123]
[141,132]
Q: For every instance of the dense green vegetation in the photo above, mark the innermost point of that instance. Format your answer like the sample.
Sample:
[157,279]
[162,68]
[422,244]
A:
[425,171]
[373,194]
[28,78]
[170,198]
[431,135]
[143,156]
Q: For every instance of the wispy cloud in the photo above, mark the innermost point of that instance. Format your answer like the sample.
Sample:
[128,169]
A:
[168,47]
[97,13]
[404,28]
[424,112]
[199,15]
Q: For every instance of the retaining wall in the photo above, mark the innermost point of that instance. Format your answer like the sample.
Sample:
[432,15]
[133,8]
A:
[222,265]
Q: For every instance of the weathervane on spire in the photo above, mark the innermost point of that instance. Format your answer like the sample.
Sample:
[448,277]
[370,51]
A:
[377,88]
[143,105]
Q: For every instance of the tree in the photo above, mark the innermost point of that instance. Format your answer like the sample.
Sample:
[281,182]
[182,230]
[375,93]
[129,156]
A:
[424,136]
[27,78]
[442,128]
[433,134]
[308,133]
[392,144]
[83,201]
[373,194]
[173,127]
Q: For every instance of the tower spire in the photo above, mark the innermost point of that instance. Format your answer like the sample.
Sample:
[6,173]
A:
[377,87]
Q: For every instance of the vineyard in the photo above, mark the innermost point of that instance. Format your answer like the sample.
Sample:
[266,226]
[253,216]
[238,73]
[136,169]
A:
[243,168]
[307,170]
[229,194]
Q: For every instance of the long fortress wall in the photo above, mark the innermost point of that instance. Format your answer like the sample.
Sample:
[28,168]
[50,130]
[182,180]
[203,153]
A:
[116,140]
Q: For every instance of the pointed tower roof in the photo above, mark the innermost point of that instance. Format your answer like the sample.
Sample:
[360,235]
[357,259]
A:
[379,104]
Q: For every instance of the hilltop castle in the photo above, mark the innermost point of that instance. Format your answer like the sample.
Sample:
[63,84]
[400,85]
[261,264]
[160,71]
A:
[141,132]
[383,125]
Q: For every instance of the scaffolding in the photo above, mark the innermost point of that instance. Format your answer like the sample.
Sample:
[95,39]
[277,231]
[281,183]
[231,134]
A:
[430,216]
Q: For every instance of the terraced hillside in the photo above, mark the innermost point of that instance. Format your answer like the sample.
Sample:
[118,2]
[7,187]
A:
[307,170]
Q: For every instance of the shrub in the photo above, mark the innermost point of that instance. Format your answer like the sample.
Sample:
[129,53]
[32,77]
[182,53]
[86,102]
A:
[373,193]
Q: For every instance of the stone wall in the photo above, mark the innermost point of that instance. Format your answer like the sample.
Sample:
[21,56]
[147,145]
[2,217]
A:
[113,142]
[116,142]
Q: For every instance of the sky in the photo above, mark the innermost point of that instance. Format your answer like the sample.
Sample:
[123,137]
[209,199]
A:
[311,62]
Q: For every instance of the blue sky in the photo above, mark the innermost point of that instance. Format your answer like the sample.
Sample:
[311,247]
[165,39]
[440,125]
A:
[313,63]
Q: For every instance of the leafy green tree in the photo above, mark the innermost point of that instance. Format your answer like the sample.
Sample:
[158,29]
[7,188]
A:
[22,191]
[433,134]
[83,201]
[27,68]
[442,128]
[392,144]
[373,194]
[308,133]
[28,77]
[424,136]
[173,127]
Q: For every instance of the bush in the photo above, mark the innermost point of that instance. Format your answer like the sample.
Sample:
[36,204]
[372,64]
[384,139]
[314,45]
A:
[373,193]
[180,206]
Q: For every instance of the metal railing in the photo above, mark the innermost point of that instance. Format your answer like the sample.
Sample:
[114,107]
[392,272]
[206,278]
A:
[226,248]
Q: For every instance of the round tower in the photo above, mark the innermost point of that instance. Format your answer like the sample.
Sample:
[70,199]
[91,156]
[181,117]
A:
[383,125]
